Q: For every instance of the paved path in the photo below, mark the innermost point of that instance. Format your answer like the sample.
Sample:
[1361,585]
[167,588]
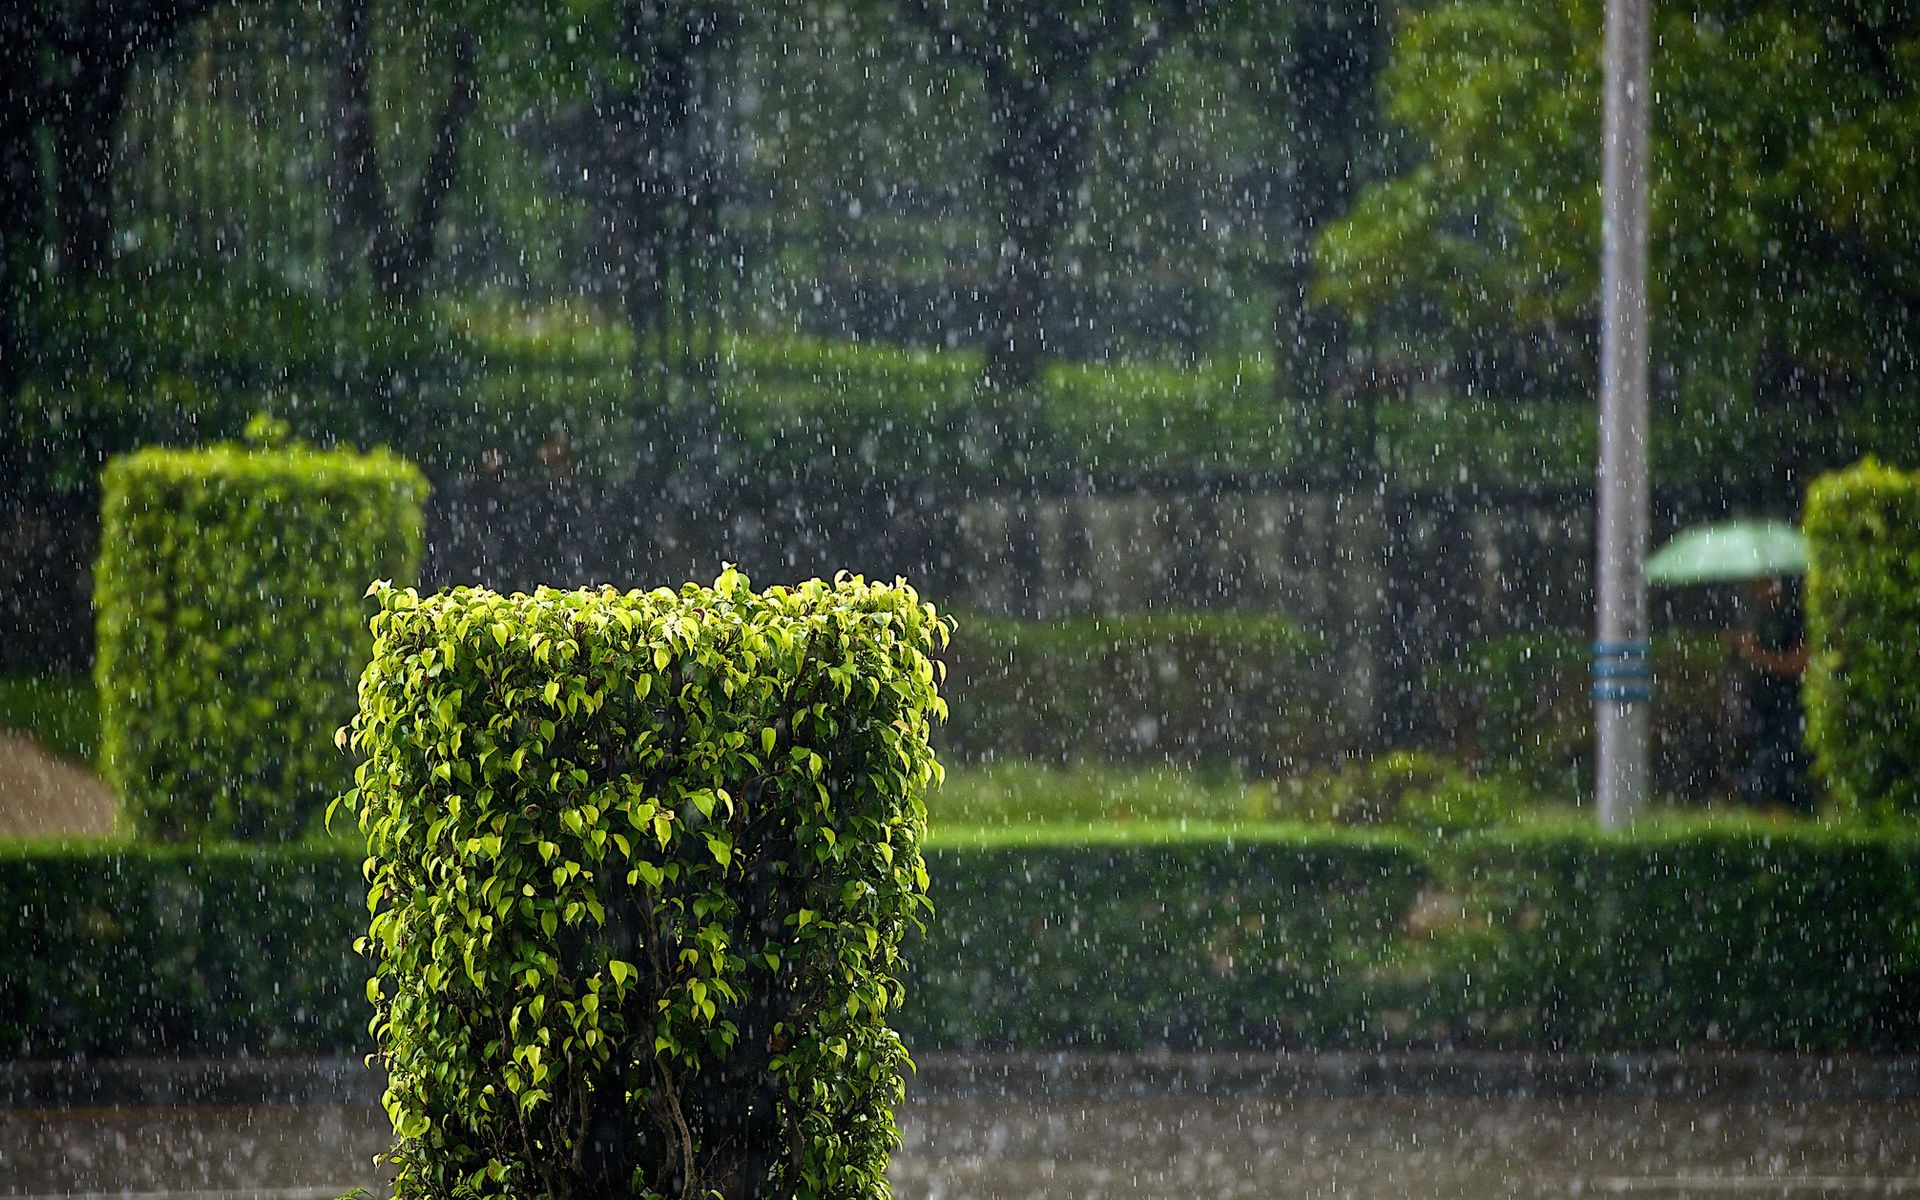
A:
[47,795]
[1173,1148]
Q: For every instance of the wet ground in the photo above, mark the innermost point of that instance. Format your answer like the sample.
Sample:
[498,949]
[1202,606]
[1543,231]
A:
[1176,1149]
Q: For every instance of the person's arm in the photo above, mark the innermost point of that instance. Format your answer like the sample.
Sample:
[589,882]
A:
[1787,664]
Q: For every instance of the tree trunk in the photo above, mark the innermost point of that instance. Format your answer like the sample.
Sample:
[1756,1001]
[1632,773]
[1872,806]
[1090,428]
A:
[397,258]
[361,190]
[84,130]
[1039,168]
[415,250]
[1016,337]
[1329,97]
[23,198]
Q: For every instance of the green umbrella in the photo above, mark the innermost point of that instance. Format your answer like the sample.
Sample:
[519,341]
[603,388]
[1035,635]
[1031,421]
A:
[1730,551]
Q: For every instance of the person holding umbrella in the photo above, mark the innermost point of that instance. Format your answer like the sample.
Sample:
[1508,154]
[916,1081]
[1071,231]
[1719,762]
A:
[1768,556]
[1775,648]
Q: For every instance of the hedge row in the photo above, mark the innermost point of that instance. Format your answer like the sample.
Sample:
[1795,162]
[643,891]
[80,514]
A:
[125,950]
[1749,936]
[228,595]
[1201,938]
[1522,703]
[1744,935]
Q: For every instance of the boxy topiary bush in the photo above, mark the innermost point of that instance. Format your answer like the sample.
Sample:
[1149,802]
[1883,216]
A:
[1862,686]
[229,599]
[640,868]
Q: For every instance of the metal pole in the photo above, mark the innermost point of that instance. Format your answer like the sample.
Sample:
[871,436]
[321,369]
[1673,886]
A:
[1622,668]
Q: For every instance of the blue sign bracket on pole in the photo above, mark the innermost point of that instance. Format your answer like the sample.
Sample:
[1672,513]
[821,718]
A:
[1623,672]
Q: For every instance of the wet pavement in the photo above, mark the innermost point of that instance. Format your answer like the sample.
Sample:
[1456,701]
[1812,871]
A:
[1163,1149]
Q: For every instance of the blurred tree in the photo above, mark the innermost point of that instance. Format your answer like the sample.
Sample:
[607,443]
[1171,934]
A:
[1786,188]
[83,56]
[64,70]
[1052,74]
[638,133]
[397,245]
[1311,72]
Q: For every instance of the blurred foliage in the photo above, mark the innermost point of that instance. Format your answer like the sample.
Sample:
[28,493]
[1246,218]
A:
[205,951]
[60,712]
[636,860]
[229,600]
[480,384]
[1223,689]
[1520,705]
[1785,178]
[122,364]
[1404,789]
[1862,685]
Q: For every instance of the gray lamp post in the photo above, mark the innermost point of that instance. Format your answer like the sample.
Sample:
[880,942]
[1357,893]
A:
[1622,658]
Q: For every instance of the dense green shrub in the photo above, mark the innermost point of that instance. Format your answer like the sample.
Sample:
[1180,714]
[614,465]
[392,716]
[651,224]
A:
[640,868]
[228,596]
[119,950]
[1753,935]
[1220,689]
[1403,789]
[1202,936]
[125,363]
[1863,627]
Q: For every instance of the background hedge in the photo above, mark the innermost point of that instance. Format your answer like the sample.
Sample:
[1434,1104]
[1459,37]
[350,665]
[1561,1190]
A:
[1194,937]
[1748,936]
[448,383]
[1522,704]
[1739,934]
[1863,627]
[120,950]
[229,599]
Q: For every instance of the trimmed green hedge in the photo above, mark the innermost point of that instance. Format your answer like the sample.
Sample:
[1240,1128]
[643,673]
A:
[1219,688]
[1202,936]
[1863,627]
[1745,934]
[122,950]
[640,868]
[229,600]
